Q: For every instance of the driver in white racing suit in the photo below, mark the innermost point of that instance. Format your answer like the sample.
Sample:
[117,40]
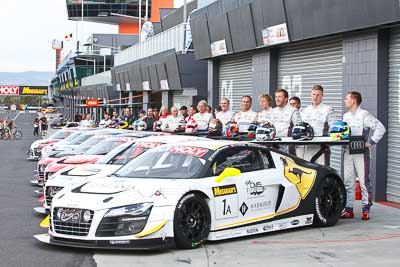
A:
[284,117]
[321,117]
[245,116]
[361,122]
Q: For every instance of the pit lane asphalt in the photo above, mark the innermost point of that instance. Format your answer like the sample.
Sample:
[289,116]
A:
[349,243]
[18,221]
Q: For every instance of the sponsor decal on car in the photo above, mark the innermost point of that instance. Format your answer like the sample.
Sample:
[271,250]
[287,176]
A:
[294,222]
[243,209]
[224,190]
[300,176]
[189,150]
[120,242]
[148,144]
[255,189]
[268,227]
[260,205]
[252,231]
[309,220]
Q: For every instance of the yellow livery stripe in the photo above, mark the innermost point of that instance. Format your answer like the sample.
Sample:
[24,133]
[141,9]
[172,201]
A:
[152,230]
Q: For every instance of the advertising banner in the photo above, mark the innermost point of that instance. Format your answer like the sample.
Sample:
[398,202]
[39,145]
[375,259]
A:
[276,34]
[9,90]
[92,102]
[33,90]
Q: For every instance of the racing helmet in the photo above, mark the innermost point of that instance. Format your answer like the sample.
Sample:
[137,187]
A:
[265,132]
[191,126]
[123,124]
[251,131]
[139,125]
[340,130]
[215,128]
[231,129]
[157,126]
[181,126]
[302,130]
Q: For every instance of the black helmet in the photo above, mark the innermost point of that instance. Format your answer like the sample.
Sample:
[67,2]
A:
[302,130]
[215,128]
[265,132]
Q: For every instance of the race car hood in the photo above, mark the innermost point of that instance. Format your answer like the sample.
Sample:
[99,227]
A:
[113,191]
[48,161]
[65,147]
[48,142]
[55,167]
[81,174]
[82,159]
[92,169]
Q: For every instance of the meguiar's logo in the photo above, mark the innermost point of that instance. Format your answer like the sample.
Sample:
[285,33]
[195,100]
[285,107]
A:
[224,190]
[302,177]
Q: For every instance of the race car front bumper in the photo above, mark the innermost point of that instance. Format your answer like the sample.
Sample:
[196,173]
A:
[142,244]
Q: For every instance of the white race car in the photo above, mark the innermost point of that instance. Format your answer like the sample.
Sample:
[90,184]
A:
[115,159]
[184,194]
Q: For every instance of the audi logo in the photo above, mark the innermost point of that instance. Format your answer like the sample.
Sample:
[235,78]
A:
[357,144]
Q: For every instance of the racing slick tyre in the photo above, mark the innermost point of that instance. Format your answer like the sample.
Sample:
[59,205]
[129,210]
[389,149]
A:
[192,221]
[330,200]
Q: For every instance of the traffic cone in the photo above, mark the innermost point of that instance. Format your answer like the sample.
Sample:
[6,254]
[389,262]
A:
[358,189]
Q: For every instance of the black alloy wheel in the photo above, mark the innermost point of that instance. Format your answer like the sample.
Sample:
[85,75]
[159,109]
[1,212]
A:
[329,201]
[192,221]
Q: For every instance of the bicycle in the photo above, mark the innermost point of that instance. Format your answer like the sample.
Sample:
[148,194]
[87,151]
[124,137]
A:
[13,134]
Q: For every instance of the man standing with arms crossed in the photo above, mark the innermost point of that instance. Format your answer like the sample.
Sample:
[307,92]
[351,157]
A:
[361,123]
[283,116]
[321,117]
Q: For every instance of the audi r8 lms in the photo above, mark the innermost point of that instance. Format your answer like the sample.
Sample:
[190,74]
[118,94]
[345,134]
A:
[115,159]
[185,194]
[35,150]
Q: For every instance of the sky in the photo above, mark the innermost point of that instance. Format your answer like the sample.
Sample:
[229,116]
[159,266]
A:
[27,28]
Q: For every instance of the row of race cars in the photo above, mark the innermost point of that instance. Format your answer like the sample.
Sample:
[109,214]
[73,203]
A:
[124,189]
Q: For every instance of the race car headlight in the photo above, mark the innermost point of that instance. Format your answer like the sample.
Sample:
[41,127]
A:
[126,220]
[135,209]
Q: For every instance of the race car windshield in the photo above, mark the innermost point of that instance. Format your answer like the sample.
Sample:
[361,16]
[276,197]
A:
[60,134]
[163,164]
[80,139]
[71,137]
[103,147]
[127,155]
[108,159]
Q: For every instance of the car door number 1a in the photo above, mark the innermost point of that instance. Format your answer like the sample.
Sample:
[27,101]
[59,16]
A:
[226,207]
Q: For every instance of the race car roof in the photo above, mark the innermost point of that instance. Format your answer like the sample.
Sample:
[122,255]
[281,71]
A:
[209,143]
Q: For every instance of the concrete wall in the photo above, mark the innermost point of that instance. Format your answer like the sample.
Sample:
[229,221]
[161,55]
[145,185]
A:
[365,69]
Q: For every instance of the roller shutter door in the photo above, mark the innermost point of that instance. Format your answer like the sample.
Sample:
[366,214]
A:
[235,79]
[315,62]
[180,100]
[393,157]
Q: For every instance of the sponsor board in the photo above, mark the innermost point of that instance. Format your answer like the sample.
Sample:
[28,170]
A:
[92,102]
[9,90]
[33,90]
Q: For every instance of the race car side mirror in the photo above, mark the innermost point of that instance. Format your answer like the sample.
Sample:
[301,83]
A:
[227,172]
